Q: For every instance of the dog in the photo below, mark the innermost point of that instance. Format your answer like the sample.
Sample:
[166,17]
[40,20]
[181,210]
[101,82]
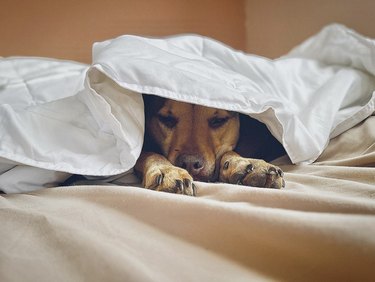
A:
[186,142]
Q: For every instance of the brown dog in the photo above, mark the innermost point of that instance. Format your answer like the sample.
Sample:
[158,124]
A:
[186,142]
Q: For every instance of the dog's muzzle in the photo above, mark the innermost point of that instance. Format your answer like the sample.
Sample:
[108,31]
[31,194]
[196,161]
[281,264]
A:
[193,163]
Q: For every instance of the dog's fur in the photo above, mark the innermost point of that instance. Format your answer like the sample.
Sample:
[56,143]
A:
[186,142]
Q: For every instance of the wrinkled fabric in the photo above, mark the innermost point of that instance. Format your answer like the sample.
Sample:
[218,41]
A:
[320,227]
[68,117]
[323,87]
[50,122]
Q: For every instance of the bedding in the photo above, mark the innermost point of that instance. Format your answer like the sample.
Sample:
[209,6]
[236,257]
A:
[75,119]
[59,118]
[322,88]
[51,110]
[319,228]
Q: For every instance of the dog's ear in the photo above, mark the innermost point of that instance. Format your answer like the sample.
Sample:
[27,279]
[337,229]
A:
[152,104]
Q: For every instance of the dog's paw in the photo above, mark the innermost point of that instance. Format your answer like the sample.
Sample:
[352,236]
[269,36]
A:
[250,172]
[169,178]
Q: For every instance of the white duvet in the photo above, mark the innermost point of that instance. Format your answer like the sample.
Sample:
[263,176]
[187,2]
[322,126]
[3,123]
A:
[58,117]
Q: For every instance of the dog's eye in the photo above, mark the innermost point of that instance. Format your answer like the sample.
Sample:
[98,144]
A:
[217,122]
[168,121]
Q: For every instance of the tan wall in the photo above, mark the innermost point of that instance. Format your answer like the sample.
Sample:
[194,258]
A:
[67,28]
[275,26]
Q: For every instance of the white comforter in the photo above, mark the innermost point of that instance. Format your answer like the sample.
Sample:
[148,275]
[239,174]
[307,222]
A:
[58,118]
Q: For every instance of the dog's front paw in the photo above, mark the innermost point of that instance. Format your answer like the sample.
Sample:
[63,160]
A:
[250,172]
[169,178]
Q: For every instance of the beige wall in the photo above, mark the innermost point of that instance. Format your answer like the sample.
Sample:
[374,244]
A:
[275,26]
[67,28]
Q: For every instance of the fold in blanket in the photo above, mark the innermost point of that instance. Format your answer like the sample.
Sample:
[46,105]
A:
[322,88]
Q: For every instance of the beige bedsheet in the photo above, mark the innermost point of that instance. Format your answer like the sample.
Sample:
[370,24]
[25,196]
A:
[321,227]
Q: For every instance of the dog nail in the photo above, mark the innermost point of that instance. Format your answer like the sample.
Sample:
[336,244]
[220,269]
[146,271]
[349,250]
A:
[271,171]
[180,186]
[226,165]
[159,179]
[249,168]
[187,182]
[194,189]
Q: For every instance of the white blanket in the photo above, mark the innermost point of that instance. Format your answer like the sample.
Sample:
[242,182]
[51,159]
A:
[50,118]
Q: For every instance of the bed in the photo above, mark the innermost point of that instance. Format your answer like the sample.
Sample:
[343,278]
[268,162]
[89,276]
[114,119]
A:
[72,118]
[320,227]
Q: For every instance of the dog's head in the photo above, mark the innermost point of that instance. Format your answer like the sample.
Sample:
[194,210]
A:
[191,136]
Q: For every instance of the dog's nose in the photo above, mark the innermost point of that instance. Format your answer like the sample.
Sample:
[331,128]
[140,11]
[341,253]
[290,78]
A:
[191,162]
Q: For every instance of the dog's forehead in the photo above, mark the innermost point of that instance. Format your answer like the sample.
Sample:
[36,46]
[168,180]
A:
[172,107]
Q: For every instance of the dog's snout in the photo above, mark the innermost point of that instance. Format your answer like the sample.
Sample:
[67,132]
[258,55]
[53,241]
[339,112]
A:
[191,162]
